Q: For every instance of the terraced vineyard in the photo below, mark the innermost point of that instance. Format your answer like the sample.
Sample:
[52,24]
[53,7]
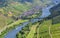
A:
[29,19]
[43,30]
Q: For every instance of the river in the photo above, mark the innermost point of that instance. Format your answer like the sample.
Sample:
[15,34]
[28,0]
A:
[45,13]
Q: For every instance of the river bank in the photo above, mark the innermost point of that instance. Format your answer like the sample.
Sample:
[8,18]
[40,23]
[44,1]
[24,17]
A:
[10,27]
[12,34]
[14,31]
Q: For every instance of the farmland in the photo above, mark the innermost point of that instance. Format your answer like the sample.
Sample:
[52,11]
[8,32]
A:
[29,19]
[43,30]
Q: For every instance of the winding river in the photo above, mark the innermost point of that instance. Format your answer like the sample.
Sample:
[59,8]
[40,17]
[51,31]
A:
[45,13]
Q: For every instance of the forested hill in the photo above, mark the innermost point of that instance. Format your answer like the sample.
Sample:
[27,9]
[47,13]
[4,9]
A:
[55,13]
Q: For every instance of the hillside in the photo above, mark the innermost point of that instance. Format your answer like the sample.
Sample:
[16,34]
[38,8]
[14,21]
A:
[15,13]
[43,30]
[11,11]
[55,13]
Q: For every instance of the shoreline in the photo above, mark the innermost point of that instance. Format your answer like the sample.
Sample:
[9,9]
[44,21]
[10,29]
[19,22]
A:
[11,26]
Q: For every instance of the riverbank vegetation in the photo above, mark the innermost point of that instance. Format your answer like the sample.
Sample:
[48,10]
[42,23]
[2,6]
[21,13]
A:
[10,27]
[9,15]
